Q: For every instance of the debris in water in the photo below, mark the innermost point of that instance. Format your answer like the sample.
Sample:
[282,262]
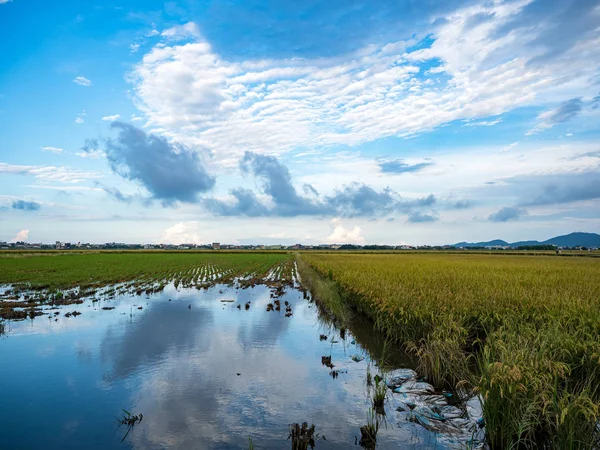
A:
[336,373]
[227,301]
[270,307]
[357,358]
[302,436]
[190,306]
[288,314]
[108,308]
[139,307]
[239,306]
[322,337]
[247,306]
[129,421]
[326,361]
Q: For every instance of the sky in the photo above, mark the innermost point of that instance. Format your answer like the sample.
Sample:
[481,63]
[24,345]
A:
[283,122]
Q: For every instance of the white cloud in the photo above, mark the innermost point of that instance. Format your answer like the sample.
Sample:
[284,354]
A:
[111,118]
[49,173]
[82,81]
[181,233]
[191,94]
[80,116]
[135,118]
[65,188]
[188,30]
[483,123]
[133,48]
[52,149]
[21,236]
[92,154]
[342,235]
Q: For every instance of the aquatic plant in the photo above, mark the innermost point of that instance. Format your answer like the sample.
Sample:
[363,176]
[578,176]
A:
[302,436]
[130,421]
[369,431]
[380,392]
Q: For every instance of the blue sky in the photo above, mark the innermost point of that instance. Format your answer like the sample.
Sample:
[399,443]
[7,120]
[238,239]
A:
[313,122]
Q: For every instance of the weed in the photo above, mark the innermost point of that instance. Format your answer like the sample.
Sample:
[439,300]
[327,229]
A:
[369,431]
[130,421]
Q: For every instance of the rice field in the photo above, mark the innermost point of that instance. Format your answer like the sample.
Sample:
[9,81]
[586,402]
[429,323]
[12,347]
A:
[61,278]
[521,332]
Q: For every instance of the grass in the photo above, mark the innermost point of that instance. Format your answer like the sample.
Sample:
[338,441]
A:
[369,431]
[521,330]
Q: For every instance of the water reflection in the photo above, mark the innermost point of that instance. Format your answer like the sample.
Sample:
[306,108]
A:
[204,374]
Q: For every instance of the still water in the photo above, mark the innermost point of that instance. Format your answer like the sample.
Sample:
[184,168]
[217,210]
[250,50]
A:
[204,374]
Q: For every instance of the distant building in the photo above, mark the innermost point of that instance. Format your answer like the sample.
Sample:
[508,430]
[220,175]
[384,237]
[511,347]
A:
[216,246]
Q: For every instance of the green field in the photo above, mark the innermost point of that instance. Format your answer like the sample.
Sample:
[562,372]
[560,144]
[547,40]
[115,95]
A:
[523,331]
[56,270]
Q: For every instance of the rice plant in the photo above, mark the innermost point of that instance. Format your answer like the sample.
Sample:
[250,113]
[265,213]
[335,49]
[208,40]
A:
[523,331]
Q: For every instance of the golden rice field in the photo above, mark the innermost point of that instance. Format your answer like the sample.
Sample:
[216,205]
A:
[523,332]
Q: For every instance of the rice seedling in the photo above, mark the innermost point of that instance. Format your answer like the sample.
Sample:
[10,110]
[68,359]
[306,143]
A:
[369,431]
[379,394]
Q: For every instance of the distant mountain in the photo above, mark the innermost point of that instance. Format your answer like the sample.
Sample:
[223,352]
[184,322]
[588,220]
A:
[568,240]
[494,243]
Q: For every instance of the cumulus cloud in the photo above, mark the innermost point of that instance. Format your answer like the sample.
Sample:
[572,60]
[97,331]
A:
[595,103]
[82,81]
[353,200]
[461,204]
[49,173]
[52,149]
[561,188]
[111,118]
[25,205]
[563,113]
[21,236]
[201,98]
[507,213]
[343,235]
[399,166]
[170,172]
[182,233]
